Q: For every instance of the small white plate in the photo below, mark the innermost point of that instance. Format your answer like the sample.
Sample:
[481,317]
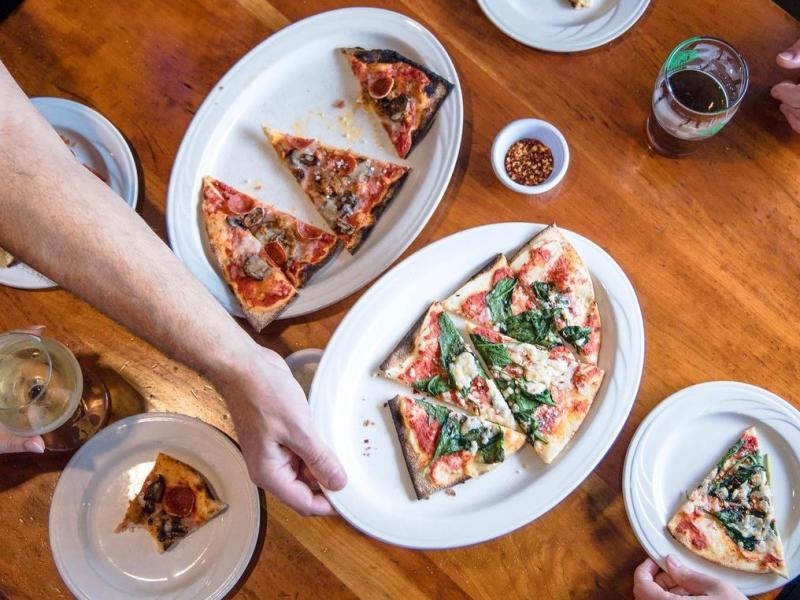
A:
[347,400]
[555,26]
[95,142]
[291,82]
[93,493]
[536,129]
[677,444]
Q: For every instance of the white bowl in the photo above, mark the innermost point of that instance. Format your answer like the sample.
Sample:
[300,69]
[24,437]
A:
[536,129]
[303,365]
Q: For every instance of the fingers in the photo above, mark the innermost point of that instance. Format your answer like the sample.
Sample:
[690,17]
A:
[319,459]
[790,58]
[792,116]
[11,443]
[665,580]
[692,581]
[644,584]
[787,92]
[280,475]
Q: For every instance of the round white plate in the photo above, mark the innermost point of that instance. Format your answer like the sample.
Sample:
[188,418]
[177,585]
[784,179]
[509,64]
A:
[290,83]
[347,400]
[93,493]
[682,439]
[555,26]
[95,142]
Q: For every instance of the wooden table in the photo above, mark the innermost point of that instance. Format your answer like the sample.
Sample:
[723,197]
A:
[710,243]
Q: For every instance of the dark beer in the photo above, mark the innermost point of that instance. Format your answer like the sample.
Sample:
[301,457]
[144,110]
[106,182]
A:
[698,91]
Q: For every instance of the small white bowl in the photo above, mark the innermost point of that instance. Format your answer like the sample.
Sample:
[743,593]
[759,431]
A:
[539,130]
[303,365]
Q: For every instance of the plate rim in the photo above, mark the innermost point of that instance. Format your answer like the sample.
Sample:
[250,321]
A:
[595,42]
[632,454]
[590,465]
[183,154]
[136,420]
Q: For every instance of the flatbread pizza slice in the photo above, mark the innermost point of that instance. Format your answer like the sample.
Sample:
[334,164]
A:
[557,280]
[298,248]
[349,190]
[729,518]
[261,288]
[490,296]
[404,94]
[174,501]
[434,359]
[549,391]
[443,447]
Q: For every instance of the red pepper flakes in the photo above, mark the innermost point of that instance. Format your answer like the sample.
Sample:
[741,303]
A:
[529,162]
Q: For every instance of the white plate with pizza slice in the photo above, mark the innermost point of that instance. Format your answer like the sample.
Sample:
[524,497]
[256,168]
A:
[682,439]
[92,496]
[293,82]
[557,26]
[348,400]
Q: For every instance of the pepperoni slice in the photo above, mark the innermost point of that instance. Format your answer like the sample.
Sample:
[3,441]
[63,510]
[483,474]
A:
[344,163]
[179,501]
[309,232]
[298,142]
[240,204]
[276,252]
[381,87]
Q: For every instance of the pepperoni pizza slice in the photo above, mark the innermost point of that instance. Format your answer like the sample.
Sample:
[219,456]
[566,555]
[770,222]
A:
[434,359]
[298,248]
[729,518]
[557,280]
[443,447]
[258,283]
[404,94]
[349,190]
[174,501]
[549,391]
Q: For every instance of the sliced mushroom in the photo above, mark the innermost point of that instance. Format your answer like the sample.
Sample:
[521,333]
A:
[254,218]
[347,204]
[236,221]
[299,174]
[397,105]
[256,267]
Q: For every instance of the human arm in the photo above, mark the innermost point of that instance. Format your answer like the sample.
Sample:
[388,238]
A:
[787,91]
[58,217]
[651,583]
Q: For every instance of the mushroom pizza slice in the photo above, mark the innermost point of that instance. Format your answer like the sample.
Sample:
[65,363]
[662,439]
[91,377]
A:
[258,283]
[349,190]
[174,501]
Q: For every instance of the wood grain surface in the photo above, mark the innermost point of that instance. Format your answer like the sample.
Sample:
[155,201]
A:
[710,243]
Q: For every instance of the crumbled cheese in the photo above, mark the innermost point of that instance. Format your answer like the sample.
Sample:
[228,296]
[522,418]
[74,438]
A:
[464,369]
[469,424]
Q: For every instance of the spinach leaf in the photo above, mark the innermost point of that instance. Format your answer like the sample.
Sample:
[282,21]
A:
[524,404]
[492,451]
[450,342]
[542,290]
[433,385]
[449,438]
[496,355]
[734,449]
[577,336]
[533,327]
[499,299]
[435,411]
[729,517]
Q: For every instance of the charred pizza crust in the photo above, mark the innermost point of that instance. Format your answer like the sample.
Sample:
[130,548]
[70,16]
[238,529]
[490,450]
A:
[436,92]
